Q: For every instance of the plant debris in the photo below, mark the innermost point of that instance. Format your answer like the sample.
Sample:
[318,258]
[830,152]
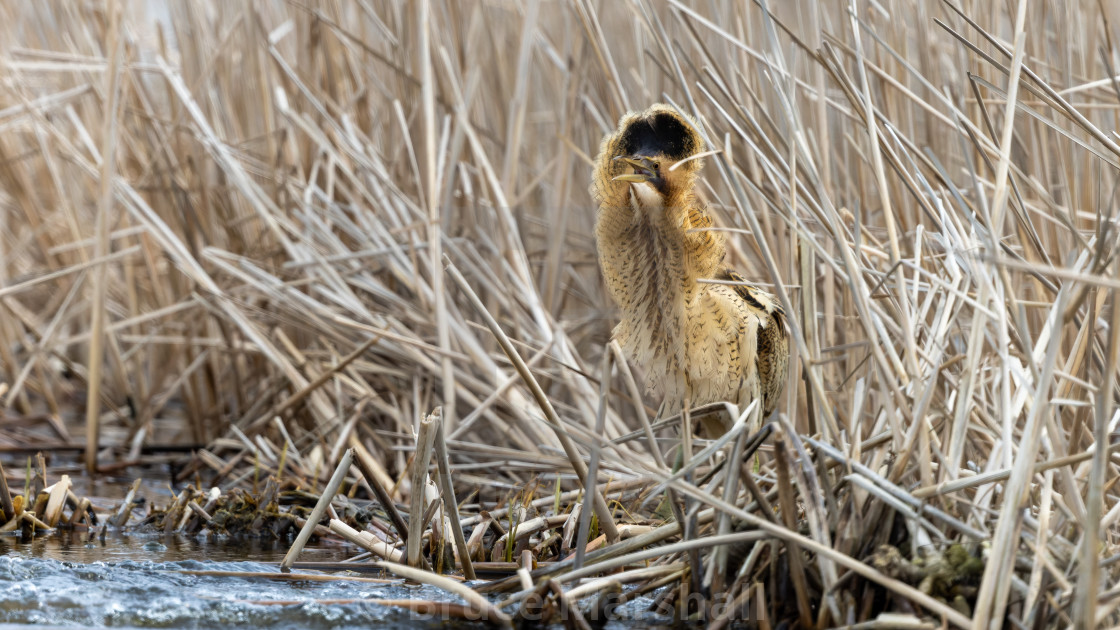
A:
[330,264]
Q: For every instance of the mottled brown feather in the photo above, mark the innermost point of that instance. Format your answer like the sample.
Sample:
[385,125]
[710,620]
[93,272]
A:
[699,342]
[773,341]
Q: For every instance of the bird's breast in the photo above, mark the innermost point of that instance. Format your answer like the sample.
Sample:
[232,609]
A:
[701,349]
[689,336]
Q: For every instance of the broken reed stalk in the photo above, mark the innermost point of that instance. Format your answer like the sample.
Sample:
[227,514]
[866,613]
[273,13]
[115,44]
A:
[81,513]
[479,604]
[368,467]
[425,438]
[450,504]
[366,541]
[56,500]
[46,513]
[317,512]
[593,466]
[606,519]
[120,519]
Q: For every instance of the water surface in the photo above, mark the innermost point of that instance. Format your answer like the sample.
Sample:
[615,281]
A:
[58,588]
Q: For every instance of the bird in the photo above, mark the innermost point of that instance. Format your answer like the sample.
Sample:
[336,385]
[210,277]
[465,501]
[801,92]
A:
[698,329]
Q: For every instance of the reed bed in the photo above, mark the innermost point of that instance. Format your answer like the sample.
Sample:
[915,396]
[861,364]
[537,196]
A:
[286,232]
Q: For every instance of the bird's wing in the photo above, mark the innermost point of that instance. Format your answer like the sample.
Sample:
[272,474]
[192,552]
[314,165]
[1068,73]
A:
[754,297]
[772,349]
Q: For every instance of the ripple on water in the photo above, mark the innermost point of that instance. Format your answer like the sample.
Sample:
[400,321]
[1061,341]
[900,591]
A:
[155,595]
[144,594]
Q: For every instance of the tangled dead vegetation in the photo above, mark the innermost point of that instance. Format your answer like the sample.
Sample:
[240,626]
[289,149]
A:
[281,234]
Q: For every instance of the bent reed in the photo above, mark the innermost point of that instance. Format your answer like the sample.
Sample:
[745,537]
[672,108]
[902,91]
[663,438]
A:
[284,233]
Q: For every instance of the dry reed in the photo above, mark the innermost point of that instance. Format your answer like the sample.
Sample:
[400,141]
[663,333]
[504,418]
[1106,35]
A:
[225,225]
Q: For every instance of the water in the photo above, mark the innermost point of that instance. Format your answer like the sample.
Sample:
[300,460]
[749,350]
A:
[136,581]
[145,594]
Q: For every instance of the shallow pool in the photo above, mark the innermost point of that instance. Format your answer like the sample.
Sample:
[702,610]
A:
[51,583]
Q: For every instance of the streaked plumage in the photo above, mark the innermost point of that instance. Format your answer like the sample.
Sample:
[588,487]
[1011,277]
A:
[697,341]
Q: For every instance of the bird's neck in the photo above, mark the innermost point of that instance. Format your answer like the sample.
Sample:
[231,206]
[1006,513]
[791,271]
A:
[648,200]
[655,249]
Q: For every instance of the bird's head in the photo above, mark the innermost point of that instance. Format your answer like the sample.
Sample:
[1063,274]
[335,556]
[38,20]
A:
[652,148]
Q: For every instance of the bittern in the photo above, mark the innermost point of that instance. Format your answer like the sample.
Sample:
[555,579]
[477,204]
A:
[699,341]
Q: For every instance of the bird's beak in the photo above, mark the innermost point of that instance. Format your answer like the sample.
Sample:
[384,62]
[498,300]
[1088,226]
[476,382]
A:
[645,170]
